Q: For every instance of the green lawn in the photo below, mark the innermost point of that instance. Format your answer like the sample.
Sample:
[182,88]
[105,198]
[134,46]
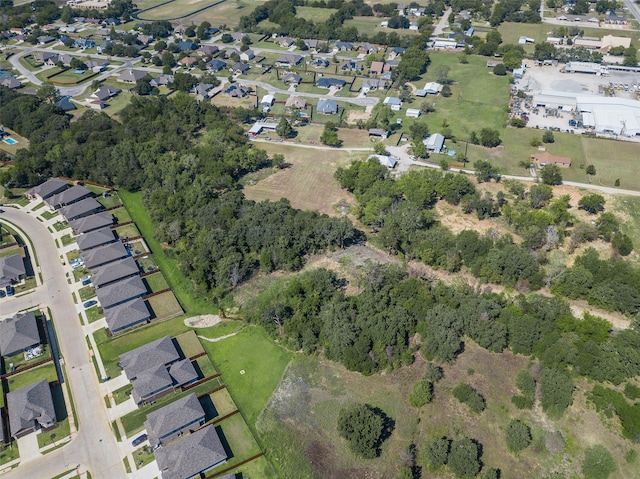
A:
[164,305]
[189,344]
[52,436]
[58,225]
[143,456]
[241,442]
[155,282]
[94,313]
[127,231]
[47,371]
[67,240]
[123,394]
[109,201]
[38,206]
[206,367]
[221,329]
[315,14]
[223,402]
[181,287]
[134,421]
[147,262]
[262,361]
[121,215]
[9,453]
[19,362]
[86,293]
[111,348]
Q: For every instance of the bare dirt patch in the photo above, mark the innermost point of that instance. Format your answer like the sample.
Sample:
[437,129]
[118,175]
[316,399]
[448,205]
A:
[203,321]
[354,116]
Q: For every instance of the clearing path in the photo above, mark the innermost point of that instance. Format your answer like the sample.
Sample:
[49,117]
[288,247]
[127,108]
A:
[203,321]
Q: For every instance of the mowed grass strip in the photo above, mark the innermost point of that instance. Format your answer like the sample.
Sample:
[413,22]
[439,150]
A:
[155,282]
[251,366]
[164,305]
[308,182]
[180,285]
[189,344]
[48,372]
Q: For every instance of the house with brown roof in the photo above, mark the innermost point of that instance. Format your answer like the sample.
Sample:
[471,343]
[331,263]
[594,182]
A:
[546,158]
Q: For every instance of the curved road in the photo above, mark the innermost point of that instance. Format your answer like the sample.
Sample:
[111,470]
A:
[94,446]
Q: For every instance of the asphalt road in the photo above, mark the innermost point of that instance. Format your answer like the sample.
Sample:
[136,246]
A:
[94,446]
[633,8]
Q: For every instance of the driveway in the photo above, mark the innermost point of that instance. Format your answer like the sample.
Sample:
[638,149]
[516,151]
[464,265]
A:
[94,445]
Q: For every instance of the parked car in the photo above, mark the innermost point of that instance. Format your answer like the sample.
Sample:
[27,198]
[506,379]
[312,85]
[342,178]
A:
[85,280]
[139,440]
[91,302]
[10,291]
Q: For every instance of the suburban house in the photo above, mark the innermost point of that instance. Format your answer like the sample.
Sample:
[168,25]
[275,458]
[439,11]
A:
[267,101]
[312,43]
[191,455]
[291,78]
[396,52]
[92,222]
[240,68]
[384,160]
[156,369]
[126,315]
[284,42]
[216,65]
[230,52]
[320,63]
[546,158]
[295,102]
[12,270]
[103,255]
[187,46]
[378,68]
[131,76]
[351,66]
[187,61]
[393,102]
[173,420]
[163,80]
[81,208]
[367,48]
[413,113]
[30,407]
[207,50]
[202,90]
[379,133]
[288,60]
[114,271]
[68,197]
[44,39]
[236,91]
[343,46]
[18,333]
[434,142]
[95,238]
[64,102]
[121,291]
[330,83]
[327,107]
[10,82]
[47,189]
[369,84]
[43,57]
[238,36]
[247,55]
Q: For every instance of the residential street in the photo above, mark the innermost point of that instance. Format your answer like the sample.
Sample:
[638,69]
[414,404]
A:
[94,446]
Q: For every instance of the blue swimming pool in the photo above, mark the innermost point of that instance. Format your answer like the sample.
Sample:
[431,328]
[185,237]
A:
[78,72]
[10,141]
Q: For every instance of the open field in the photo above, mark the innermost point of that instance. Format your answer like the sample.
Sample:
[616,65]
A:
[298,428]
[253,375]
[315,14]
[227,13]
[176,9]
[308,183]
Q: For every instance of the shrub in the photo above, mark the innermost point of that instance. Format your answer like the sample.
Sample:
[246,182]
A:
[464,458]
[466,394]
[518,436]
[500,70]
[363,428]
[421,393]
[433,372]
[556,387]
[436,454]
[598,463]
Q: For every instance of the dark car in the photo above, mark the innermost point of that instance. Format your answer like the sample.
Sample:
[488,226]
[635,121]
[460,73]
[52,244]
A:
[139,440]
[10,291]
[91,302]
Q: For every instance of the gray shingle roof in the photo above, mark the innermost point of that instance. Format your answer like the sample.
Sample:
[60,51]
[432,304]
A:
[161,351]
[68,196]
[127,314]
[11,268]
[191,455]
[48,188]
[151,382]
[93,222]
[173,417]
[80,208]
[95,238]
[121,291]
[114,271]
[183,372]
[30,404]
[18,333]
[103,255]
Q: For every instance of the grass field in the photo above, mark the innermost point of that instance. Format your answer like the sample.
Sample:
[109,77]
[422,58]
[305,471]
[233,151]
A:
[227,13]
[262,361]
[223,402]
[315,14]
[241,441]
[127,231]
[181,287]
[308,183]
[479,98]
[176,9]
[155,282]
[121,215]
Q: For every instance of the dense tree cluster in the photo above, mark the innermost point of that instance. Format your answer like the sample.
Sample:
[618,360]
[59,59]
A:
[191,188]
[365,428]
[469,396]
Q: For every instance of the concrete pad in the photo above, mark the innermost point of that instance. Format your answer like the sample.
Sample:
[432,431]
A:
[29,448]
